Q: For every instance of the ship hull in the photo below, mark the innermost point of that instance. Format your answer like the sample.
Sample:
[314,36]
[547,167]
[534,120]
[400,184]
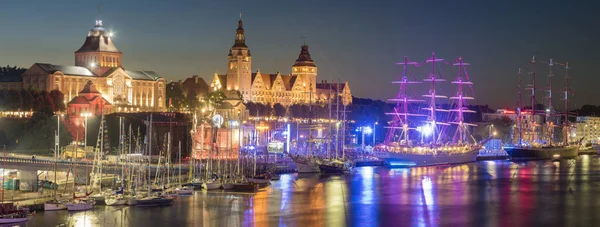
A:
[529,153]
[407,160]
[307,168]
[329,169]
[594,149]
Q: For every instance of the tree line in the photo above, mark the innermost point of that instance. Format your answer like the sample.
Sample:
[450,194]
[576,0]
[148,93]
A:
[11,73]
[26,100]
[177,101]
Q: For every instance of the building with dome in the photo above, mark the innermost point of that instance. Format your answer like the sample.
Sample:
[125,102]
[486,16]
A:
[298,87]
[99,69]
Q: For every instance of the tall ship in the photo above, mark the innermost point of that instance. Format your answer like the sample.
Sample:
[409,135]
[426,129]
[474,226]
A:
[539,141]
[437,144]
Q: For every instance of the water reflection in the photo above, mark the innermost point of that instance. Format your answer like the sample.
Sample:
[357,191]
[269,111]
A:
[364,197]
[489,193]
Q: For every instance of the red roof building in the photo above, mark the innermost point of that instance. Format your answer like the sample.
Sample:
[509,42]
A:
[89,101]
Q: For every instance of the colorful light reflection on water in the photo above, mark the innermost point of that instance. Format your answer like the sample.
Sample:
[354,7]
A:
[496,193]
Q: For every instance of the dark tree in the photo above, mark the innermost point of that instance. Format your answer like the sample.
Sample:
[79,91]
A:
[176,97]
[11,73]
[252,108]
[279,110]
[58,100]
[191,102]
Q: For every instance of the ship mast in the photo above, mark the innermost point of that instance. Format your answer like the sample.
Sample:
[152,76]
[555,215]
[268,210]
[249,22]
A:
[566,99]
[401,110]
[518,110]
[432,95]
[549,109]
[462,129]
[566,138]
[532,87]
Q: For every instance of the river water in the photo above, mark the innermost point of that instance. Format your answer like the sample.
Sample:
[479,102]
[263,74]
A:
[485,193]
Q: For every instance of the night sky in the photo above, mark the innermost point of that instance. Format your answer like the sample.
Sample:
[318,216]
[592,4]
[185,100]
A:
[355,41]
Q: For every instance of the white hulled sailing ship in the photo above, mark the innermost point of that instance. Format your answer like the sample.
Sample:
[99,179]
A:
[542,145]
[435,147]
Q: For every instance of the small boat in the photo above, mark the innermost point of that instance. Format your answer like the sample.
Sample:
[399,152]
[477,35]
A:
[185,190]
[227,186]
[194,186]
[211,185]
[17,217]
[100,197]
[275,177]
[80,205]
[116,201]
[158,189]
[171,192]
[245,187]
[54,205]
[260,179]
[9,214]
[154,201]
[263,185]
[304,164]
[132,201]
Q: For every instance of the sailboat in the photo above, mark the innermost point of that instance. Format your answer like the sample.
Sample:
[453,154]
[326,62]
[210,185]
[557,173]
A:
[54,204]
[118,198]
[333,165]
[96,174]
[182,190]
[79,203]
[308,163]
[544,148]
[9,214]
[213,183]
[150,199]
[398,148]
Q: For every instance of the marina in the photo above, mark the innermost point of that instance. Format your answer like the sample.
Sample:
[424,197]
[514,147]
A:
[466,194]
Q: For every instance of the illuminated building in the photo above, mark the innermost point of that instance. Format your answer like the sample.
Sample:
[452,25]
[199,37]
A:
[587,128]
[90,101]
[99,61]
[526,122]
[300,86]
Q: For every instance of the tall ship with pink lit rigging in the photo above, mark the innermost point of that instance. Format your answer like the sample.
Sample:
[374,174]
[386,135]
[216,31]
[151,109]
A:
[437,144]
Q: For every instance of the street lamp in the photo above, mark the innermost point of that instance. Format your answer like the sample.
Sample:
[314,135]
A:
[57,138]
[374,130]
[425,131]
[85,115]
[364,130]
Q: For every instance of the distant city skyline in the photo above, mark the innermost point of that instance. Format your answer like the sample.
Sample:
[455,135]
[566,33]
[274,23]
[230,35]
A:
[355,42]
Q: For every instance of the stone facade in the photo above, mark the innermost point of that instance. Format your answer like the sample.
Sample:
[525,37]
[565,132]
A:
[100,62]
[587,128]
[300,86]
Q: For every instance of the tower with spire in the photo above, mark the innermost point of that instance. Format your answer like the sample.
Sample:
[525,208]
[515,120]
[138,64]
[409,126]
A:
[239,71]
[98,53]
[305,69]
[300,86]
